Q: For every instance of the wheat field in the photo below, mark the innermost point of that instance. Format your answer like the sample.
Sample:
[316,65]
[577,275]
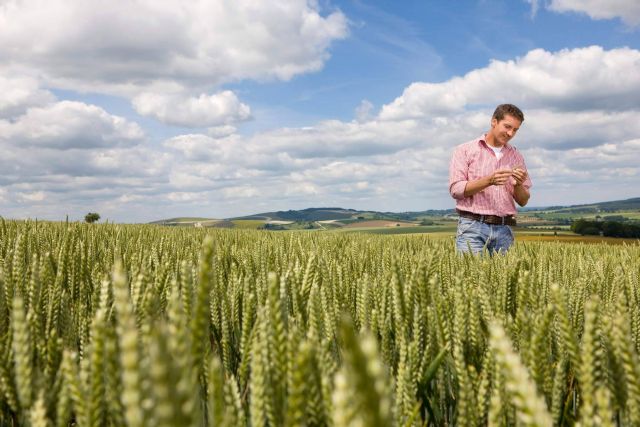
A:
[138,325]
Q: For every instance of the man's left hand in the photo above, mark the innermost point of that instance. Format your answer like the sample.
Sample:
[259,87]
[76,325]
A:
[519,175]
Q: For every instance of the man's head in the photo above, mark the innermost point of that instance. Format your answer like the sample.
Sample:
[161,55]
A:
[510,110]
[505,122]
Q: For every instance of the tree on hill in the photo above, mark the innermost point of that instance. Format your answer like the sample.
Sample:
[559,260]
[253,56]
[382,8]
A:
[607,228]
[92,217]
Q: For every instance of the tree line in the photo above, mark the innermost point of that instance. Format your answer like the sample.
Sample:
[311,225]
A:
[605,228]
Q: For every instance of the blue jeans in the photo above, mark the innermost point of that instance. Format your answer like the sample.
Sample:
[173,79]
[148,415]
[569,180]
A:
[474,236]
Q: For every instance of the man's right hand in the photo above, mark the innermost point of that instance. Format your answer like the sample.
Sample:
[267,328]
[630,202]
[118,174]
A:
[500,177]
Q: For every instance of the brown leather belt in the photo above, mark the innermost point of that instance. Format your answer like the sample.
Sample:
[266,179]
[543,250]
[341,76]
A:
[488,219]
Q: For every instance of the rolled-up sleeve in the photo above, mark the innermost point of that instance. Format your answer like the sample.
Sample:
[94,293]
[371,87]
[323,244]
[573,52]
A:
[458,173]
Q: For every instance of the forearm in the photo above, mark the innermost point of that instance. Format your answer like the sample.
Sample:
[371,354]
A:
[521,194]
[477,186]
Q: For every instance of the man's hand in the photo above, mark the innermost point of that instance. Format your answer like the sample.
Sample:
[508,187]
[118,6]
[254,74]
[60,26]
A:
[520,192]
[519,176]
[500,177]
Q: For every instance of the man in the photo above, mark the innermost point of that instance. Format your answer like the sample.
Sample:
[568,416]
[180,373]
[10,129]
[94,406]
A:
[486,176]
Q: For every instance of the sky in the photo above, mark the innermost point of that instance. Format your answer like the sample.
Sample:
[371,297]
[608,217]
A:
[143,110]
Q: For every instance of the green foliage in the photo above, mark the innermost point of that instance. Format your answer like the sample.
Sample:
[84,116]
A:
[606,228]
[142,325]
[92,217]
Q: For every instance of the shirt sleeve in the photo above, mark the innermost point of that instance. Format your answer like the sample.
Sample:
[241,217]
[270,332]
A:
[458,173]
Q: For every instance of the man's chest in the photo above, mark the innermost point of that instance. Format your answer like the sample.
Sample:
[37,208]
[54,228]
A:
[484,162]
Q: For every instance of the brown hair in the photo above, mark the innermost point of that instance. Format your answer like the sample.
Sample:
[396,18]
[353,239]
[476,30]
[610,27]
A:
[508,109]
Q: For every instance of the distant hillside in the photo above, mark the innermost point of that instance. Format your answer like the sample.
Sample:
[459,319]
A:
[335,213]
[309,214]
[182,219]
[409,216]
[187,221]
[612,206]
[327,214]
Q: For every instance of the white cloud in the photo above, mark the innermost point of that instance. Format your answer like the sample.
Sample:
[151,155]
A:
[184,196]
[132,46]
[344,172]
[581,129]
[166,56]
[73,169]
[604,172]
[302,188]
[66,155]
[202,148]
[20,93]
[334,138]
[413,174]
[218,109]
[36,196]
[76,155]
[69,124]
[627,10]
[128,198]
[243,192]
[584,78]
[221,131]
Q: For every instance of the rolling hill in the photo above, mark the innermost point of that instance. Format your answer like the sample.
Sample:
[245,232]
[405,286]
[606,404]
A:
[353,215]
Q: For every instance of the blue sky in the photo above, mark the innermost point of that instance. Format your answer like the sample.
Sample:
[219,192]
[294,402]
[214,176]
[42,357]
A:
[152,110]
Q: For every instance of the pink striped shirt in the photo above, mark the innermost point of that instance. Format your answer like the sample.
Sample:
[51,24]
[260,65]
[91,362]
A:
[474,160]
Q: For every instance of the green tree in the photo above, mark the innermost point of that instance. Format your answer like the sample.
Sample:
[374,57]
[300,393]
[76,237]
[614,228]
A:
[92,217]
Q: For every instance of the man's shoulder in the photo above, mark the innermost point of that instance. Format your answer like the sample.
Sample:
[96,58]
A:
[474,144]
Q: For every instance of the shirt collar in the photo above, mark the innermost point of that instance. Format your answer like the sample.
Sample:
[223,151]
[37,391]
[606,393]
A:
[482,141]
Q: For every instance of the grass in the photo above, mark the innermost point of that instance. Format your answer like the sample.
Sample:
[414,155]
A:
[574,238]
[396,230]
[329,225]
[522,235]
[245,327]
[247,223]
[424,229]
[353,220]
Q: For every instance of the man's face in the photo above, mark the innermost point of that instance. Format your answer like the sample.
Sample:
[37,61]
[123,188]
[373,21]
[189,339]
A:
[504,129]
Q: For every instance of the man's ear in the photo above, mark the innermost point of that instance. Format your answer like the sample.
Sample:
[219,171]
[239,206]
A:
[494,122]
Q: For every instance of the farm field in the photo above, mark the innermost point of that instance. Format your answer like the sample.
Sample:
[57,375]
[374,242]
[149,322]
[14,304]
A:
[574,238]
[439,230]
[556,215]
[379,223]
[188,222]
[522,234]
[132,325]
[247,223]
